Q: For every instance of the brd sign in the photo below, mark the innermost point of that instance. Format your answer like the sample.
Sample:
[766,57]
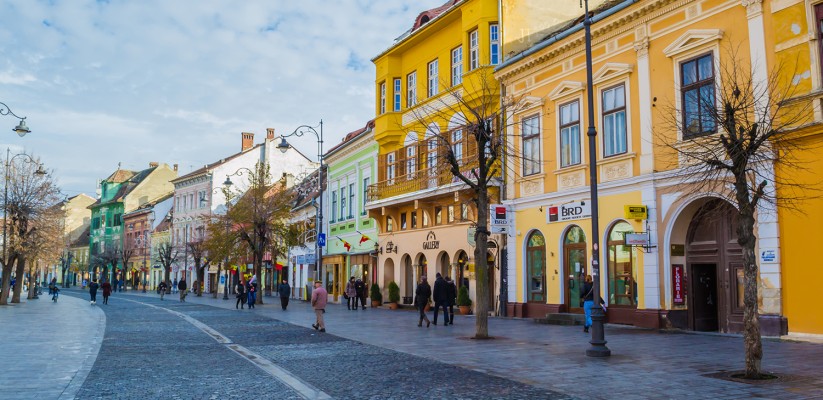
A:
[569,211]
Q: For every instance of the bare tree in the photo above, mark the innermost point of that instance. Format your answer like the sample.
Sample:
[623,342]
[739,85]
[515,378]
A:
[107,260]
[167,255]
[201,256]
[730,144]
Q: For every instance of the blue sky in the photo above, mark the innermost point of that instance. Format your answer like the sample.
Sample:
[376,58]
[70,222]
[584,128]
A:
[108,82]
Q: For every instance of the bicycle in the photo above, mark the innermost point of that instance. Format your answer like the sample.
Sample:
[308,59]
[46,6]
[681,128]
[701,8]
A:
[54,296]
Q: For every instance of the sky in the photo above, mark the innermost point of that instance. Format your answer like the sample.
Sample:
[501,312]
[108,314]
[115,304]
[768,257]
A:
[103,83]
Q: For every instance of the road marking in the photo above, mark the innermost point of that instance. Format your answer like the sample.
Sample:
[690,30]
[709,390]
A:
[303,388]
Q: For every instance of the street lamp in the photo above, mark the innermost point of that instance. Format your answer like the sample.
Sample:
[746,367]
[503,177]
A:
[226,185]
[40,171]
[598,343]
[21,128]
[284,146]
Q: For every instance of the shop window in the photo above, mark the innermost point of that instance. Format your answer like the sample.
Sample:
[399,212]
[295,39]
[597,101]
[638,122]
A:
[536,267]
[614,121]
[622,266]
[697,96]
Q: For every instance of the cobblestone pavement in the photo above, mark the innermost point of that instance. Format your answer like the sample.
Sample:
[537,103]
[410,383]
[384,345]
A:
[148,352]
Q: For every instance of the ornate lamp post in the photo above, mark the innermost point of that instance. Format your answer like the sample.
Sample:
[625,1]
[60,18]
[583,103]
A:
[284,147]
[598,343]
[21,128]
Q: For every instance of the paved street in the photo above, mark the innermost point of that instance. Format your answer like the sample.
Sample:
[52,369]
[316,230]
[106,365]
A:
[206,349]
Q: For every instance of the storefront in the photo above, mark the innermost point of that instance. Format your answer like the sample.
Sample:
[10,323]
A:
[333,275]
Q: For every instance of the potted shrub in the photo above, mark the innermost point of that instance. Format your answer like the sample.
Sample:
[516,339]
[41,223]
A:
[394,295]
[376,296]
[463,301]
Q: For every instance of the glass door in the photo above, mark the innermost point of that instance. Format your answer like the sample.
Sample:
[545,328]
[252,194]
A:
[576,262]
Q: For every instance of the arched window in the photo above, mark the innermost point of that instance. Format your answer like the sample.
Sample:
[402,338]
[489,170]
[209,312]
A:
[536,267]
[622,265]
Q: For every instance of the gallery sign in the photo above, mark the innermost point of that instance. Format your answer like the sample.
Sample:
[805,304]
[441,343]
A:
[431,242]
[569,211]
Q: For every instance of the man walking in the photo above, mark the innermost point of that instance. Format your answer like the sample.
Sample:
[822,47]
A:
[181,287]
[360,292]
[441,298]
[319,296]
[162,289]
[422,295]
[284,290]
[451,298]
[93,291]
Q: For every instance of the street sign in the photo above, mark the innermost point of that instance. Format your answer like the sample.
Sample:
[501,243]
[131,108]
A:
[321,240]
[500,229]
[500,215]
[222,279]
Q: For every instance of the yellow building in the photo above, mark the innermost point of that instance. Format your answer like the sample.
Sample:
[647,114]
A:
[423,213]
[650,58]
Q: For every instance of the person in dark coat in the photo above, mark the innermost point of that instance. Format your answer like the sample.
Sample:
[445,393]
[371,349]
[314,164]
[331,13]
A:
[284,290]
[240,289]
[587,296]
[440,294]
[106,286]
[93,291]
[251,292]
[181,288]
[360,292]
[422,295]
[162,289]
[451,299]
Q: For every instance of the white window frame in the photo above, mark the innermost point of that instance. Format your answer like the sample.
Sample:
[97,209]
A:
[411,89]
[494,44]
[383,97]
[456,137]
[343,201]
[433,77]
[534,165]
[677,60]
[560,106]
[398,94]
[457,65]
[411,160]
[474,50]
[352,198]
[390,168]
[602,119]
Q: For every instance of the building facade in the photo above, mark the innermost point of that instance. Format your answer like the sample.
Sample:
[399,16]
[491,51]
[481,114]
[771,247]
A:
[302,257]
[429,83]
[351,233]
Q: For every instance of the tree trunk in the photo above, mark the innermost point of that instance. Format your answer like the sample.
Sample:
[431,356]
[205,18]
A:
[6,284]
[200,276]
[20,271]
[751,324]
[32,280]
[168,279]
[214,292]
[481,266]
[258,263]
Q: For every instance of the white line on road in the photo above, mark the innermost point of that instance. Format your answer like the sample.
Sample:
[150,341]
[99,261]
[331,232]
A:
[303,388]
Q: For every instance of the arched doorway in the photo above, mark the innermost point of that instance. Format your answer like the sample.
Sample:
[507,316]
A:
[715,269]
[492,269]
[461,260]
[408,279]
[443,265]
[575,267]
[421,268]
[536,268]
[621,262]
[388,274]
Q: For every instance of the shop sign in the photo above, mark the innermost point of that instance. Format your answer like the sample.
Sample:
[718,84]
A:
[635,212]
[636,239]
[431,242]
[569,212]
[678,286]
[768,256]
[678,250]
[470,235]
[501,218]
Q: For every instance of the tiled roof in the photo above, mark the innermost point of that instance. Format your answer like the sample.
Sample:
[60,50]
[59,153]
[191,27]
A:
[83,239]
[429,15]
[351,136]
[135,179]
[121,175]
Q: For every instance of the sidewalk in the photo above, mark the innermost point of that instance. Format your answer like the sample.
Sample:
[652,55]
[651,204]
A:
[48,348]
[644,363]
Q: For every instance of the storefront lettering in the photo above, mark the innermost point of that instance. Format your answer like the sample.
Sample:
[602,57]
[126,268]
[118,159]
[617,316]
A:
[431,242]
[678,291]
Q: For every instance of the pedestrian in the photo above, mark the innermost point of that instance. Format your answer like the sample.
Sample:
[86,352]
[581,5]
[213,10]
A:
[440,295]
[451,298]
[106,286]
[349,294]
[252,291]
[93,291]
[360,290]
[162,289]
[195,287]
[284,290]
[240,289]
[319,297]
[174,286]
[587,297]
[181,287]
[422,295]
[52,285]
[85,282]
[55,293]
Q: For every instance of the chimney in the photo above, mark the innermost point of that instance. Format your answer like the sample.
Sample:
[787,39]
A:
[269,133]
[154,164]
[175,167]
[248,141]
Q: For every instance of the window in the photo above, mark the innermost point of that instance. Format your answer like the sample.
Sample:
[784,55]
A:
[177,203]
[183,207]
[474,56]
[530,130]
[425,219]
[95,223]
[390,171]
[389,224]
[343,203]
[365,193]
[494,44]
[397,94]
[403,221]
[818,14]
[697,91]
[570,134]
[382,97]
[431,158]
[438,215]
[457,66]
[622,268]
[464,212]
[414,219]
[457,145]
[351,200]
[411,161]
[333,206]
[450,214]
[432,89]
[536,267]
[614,121]
[411,89]
[118,219]
[191,201]
[202,196]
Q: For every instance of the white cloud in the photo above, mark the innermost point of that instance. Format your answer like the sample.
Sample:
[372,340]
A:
[176,82]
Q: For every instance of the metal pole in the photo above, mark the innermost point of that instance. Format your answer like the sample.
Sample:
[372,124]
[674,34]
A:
[319,257]
[5,205]
[598,343]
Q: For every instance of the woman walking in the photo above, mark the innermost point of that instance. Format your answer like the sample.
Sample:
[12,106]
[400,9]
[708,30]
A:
[93,291]
[421,298]
[106,286]
[252,291]
[351,295]
[240,288]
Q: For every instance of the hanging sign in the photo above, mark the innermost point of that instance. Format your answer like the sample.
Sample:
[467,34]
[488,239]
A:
[678,285]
